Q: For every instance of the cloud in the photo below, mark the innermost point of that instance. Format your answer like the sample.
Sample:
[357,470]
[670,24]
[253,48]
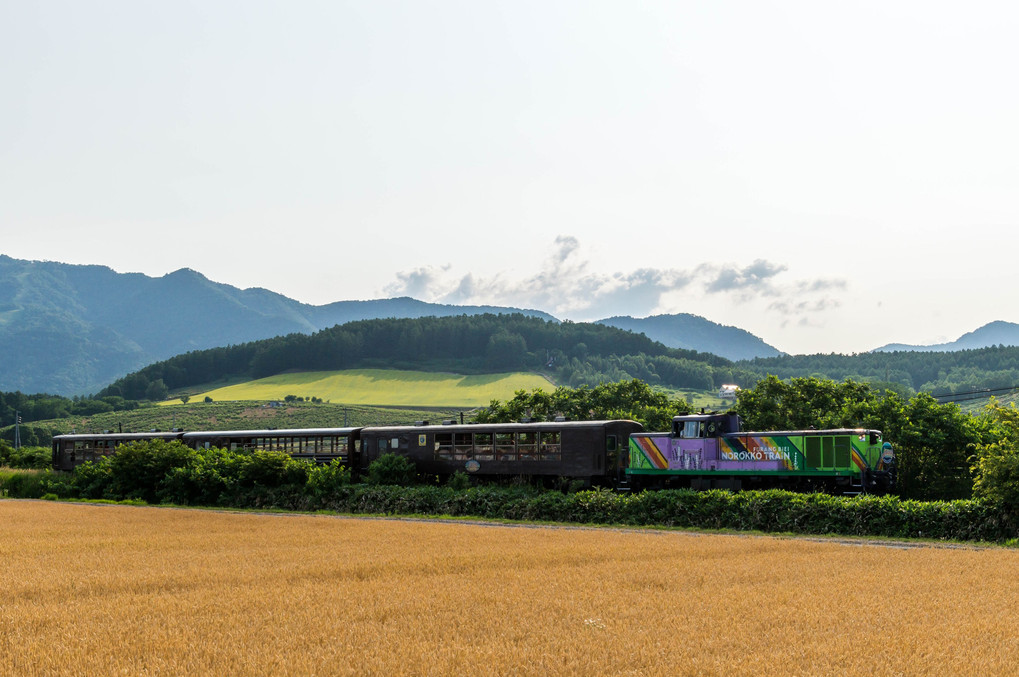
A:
[419,283]
[805,307]
[567,286]
[755,278]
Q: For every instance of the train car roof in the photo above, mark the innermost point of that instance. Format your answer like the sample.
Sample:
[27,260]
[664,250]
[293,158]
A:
[118,436]
[697,417]
[281,432]
[496,427]
[827,431]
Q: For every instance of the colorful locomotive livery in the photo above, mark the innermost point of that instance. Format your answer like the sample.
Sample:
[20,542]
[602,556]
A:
[709,451]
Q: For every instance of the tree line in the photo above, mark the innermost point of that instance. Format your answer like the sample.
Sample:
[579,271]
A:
[934,372]
[572,353]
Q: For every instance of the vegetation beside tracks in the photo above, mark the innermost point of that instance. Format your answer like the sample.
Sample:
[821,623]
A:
[162,472]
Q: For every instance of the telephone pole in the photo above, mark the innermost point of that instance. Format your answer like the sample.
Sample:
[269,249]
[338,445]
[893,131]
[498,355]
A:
[17,429]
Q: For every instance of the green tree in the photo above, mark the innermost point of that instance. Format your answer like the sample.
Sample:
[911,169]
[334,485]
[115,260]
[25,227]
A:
[632,399]
[996,463]
[157,391]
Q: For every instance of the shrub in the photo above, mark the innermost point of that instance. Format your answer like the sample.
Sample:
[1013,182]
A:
[997,474]
[326,480]
[459,481]
[136,470]
[24,483]
[25,457]
[391,469]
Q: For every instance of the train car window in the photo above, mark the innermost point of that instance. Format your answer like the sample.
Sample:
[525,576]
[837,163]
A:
[551,449]
[463,446]
[383,444]
[527,446]
[611,444]
[444,445]
[505,447]
[483,449]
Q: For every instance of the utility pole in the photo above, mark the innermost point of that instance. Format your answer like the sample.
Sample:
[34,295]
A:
[17,429]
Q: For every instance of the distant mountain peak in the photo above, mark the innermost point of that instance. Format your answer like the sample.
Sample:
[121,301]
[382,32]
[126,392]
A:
[693,332]
[998,332]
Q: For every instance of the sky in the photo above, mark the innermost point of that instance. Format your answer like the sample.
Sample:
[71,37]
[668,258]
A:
[831,177]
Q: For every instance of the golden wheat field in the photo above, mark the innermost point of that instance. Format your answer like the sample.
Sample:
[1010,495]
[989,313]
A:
[121,590]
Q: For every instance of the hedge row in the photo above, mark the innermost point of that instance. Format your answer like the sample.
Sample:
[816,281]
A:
[768,511]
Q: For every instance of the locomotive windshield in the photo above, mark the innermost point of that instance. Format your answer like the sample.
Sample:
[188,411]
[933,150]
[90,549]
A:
[690,429]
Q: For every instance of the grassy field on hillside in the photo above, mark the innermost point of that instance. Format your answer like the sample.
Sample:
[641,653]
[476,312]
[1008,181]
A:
[198,592]
[699,399]
[383,387]
[247,416]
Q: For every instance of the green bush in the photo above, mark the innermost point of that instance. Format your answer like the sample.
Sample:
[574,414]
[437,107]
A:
[459,481]
[25,457]
[326,480]
[997,474]
[136,470]
[391,469]
[28,483]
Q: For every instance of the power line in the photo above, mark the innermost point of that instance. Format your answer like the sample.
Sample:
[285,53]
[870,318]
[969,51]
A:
[966,395]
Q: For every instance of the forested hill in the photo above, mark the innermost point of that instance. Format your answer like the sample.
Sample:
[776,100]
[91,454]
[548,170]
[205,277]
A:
[572,353]
[936,372]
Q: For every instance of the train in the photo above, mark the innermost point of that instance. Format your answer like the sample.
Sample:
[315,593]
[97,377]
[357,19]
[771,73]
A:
[700,451]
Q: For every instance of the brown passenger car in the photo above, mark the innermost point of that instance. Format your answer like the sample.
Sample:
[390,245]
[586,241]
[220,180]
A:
[584,450]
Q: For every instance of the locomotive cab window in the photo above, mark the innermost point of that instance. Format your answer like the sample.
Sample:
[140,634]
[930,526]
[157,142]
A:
[690,430]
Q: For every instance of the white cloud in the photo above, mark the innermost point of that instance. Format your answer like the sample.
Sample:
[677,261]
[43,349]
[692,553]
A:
[568,287]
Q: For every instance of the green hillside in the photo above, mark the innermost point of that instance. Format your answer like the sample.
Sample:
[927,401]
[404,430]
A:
[241,415]
[382,387]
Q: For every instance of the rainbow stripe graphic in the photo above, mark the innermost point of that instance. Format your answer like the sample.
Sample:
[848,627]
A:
[645,453]
[760,450]
[858,460]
